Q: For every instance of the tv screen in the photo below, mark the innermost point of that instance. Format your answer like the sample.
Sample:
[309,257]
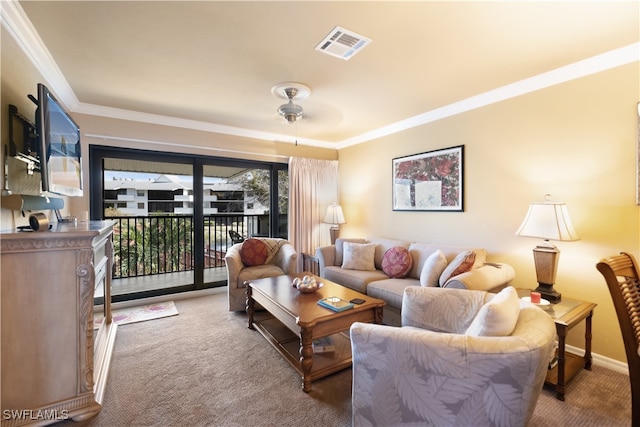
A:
[59,143]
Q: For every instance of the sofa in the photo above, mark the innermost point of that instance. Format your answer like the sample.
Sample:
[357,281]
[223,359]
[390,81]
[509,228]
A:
[383,268]
[461,358]
[256,258]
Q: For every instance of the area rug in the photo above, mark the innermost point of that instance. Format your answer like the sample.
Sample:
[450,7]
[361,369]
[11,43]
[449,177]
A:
[139,314]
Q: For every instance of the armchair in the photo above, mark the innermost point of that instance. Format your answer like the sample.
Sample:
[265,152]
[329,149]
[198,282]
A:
[434,371]
[281,259]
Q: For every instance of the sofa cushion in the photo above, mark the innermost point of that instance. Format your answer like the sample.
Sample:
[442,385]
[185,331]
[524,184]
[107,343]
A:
[498,317]
[391,290]
[253,252]
[353,279]
[432,269]
[463,262]
[258,272]
[397,262]
[358,256]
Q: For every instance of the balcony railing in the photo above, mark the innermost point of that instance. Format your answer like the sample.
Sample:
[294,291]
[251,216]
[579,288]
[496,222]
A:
[160,244]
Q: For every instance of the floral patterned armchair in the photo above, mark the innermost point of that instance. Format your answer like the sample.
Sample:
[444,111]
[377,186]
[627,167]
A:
[438,370]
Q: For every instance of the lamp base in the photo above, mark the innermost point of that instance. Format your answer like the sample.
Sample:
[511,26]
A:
[547,292]
[334,232]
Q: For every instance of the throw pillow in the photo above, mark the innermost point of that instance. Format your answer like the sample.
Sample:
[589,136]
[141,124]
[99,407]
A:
[463,262]
[498,317]
[273,246]
[432,269]
[253,252]
[397,262]
[358,256]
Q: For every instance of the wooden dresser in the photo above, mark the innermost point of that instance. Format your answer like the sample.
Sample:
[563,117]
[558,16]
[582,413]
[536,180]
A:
[54,364]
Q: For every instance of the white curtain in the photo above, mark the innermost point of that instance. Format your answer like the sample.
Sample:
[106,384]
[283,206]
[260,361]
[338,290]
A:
[313,186]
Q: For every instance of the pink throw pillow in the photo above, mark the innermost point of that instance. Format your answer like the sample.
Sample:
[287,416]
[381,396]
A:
[397,262]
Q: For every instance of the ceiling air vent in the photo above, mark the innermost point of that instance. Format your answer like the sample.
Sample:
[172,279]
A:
[342,43]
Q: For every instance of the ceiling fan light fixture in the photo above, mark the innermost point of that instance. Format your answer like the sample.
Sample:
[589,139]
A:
[290,111]
[290,91]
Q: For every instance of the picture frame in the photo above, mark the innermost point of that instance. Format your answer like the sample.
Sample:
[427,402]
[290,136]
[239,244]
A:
[429,181]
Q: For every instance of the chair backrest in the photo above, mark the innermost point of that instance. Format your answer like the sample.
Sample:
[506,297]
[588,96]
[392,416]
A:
[235,237]
[623,280]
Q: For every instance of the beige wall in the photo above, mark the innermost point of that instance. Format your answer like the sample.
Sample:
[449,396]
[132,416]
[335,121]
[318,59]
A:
[576,141]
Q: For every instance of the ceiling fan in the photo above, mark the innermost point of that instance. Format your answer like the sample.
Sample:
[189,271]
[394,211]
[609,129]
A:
[290,91]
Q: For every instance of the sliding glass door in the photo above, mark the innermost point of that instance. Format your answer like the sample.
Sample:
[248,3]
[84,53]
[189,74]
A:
[176,215]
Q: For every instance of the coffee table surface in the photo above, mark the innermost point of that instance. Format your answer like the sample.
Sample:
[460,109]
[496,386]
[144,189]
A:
[304,307]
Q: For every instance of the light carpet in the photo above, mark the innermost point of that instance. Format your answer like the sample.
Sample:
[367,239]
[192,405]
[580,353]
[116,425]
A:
[205,368]
[124,316]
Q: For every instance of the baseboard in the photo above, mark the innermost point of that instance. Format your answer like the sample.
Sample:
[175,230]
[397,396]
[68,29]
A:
[599,360]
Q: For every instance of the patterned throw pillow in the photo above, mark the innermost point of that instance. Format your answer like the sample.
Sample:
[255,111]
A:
[397,262]
[358,256]
[253,252]
[463,262]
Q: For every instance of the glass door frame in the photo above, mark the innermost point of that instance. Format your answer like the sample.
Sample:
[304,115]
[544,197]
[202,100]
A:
[98,153]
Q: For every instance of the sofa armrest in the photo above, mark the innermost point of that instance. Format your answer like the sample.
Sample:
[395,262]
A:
[435,309]
[234,265]
[287,259]
[485,278]
[326,256]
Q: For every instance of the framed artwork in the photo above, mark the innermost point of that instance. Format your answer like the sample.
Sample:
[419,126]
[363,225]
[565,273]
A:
[430,181]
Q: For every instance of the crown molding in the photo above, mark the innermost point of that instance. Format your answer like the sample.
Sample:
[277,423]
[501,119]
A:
[136,116]
[606,61]
[19,26]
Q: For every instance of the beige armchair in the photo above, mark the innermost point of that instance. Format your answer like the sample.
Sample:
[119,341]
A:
[437,369]
[282,260]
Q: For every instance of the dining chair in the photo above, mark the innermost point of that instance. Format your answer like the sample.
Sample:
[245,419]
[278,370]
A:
[621,274]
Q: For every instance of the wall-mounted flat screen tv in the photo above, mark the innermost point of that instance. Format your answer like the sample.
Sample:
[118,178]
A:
[59,145]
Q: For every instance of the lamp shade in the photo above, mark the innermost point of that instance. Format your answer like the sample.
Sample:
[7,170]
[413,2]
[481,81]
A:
[548,221]
[334,215]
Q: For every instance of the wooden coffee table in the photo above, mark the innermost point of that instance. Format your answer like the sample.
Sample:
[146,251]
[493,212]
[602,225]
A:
[295,320]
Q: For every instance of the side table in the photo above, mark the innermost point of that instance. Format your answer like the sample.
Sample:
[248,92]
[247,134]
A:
[566,314]
[310,263]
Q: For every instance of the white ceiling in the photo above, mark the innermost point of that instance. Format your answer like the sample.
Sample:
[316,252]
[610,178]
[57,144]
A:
[211,64]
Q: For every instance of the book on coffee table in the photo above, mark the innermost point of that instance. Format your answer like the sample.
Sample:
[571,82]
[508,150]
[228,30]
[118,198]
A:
[335,303]
[324,345]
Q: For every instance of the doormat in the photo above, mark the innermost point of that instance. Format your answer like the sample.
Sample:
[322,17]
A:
[124,316]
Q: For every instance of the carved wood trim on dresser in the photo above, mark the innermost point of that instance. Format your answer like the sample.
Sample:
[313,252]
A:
[54,364]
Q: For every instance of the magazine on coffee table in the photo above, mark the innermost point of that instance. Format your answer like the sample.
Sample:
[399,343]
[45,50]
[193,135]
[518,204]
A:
[335,303]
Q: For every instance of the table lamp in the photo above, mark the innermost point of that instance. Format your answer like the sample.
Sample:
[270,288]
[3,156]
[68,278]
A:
[334,217]
[548,221]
